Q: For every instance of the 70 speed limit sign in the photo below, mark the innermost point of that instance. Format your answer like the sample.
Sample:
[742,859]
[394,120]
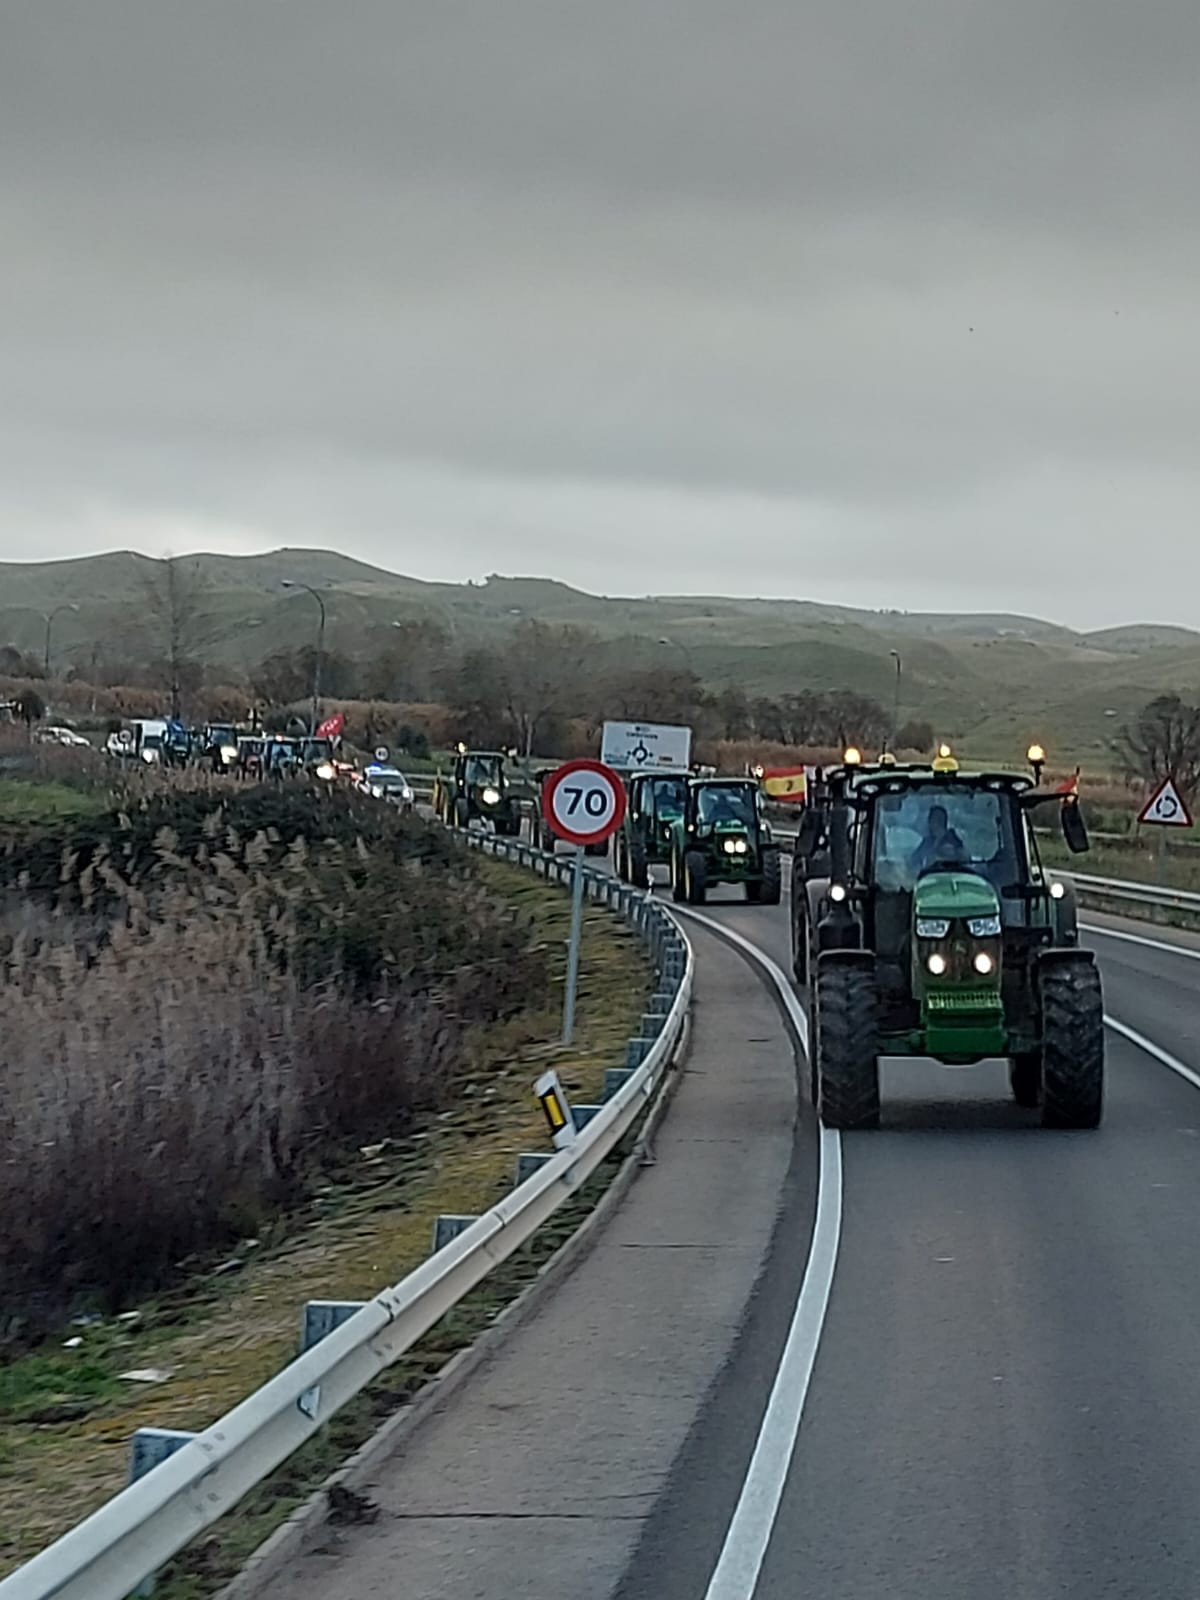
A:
[584,802]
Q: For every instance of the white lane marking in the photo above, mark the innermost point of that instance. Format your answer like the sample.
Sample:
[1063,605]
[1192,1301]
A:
[749,1534]
[1152,1049]
[1140,938]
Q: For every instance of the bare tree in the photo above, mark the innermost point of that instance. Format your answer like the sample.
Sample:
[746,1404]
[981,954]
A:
[182,625]
[1163,741]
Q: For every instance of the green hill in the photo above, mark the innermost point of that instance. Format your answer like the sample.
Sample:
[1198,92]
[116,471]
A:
[994,680]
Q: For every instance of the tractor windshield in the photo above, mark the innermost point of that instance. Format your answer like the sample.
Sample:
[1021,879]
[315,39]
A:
[930,826]
[726,803]
[667,797]
[483,769]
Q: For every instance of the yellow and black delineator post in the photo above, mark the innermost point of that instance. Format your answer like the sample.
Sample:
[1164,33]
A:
[552,1098]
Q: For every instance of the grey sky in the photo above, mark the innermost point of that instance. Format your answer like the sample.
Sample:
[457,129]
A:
[880,303]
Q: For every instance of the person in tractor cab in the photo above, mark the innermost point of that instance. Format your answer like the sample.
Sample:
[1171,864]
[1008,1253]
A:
[942,845]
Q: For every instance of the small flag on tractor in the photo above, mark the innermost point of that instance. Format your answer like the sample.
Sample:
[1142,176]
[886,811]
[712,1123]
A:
[1071,786]
[785,783]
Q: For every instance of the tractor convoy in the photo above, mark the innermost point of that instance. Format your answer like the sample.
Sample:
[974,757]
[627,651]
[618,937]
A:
[923,921]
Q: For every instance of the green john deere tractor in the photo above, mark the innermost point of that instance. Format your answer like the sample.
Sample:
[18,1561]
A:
[722,836]
[477,789]
[937,932]
[655,803]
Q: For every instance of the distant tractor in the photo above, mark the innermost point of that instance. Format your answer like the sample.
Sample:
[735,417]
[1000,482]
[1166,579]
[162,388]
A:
[722,836]
[542,834]
[477,790]
[656,801]
[935,931]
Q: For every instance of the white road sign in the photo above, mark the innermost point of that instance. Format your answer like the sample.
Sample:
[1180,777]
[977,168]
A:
[584,802]
[646,747]
[1166,807]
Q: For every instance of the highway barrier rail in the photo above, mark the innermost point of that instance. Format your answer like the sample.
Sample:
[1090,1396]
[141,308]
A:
[126,1540]
[1126,894]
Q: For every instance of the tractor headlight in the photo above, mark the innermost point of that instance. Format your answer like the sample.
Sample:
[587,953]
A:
[406,793]
[740,846]
[936,964]
[729,847]
[491,796]
[229,752]
[325,771]
[1057,890]
[983,928]
[838,893]
[932,927]
[983,963]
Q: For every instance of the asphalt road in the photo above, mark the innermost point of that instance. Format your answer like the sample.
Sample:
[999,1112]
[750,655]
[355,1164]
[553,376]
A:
[1006,1395]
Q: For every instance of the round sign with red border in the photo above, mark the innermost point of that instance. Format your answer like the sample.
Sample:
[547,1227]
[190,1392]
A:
[584,802]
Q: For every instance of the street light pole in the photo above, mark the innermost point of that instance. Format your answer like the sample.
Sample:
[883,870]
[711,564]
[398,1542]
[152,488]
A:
[895,655]
[48,617]
[291,583]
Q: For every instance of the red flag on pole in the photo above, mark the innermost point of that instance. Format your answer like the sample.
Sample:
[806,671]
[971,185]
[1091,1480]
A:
[332,727]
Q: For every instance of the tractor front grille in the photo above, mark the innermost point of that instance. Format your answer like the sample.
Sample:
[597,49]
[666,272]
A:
[943,1000]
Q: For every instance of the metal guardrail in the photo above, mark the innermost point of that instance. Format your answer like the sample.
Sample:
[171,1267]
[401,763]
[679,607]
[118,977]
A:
[106,1556]
[1125,889]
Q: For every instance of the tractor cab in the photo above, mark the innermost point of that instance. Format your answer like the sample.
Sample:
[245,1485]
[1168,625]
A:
[656,802]
[722,836]
[939,920]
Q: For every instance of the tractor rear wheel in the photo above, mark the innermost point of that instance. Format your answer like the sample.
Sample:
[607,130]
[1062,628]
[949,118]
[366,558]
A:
[799,937]
[1072,1043]
[847,1066]
[639,872]
[695,875]
[1025,1079]
[677,884]
[771,886]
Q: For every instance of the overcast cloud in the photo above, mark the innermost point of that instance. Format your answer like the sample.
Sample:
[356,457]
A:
[891,304]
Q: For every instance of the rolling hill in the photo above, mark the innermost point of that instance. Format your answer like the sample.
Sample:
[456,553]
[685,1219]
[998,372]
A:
[993,680]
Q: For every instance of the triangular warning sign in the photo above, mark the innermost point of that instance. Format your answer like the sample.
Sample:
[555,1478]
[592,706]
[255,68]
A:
[1166,807]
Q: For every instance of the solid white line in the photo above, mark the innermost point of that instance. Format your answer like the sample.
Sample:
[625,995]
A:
[1141,938]
[749,1534]
[1152,1049]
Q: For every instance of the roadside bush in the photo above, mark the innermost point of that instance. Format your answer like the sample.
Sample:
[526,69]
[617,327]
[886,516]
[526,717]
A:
[193,1015]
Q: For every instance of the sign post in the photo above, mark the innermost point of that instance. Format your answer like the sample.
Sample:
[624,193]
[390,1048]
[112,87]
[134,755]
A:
[583,802]
[1166,808]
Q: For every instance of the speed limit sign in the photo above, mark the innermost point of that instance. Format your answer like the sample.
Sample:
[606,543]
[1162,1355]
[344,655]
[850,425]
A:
[584,802]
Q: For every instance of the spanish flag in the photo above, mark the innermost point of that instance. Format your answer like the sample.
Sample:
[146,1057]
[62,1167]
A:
[1071,786]
[785,783]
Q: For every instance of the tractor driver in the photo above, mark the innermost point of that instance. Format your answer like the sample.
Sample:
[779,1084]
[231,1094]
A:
[941,846]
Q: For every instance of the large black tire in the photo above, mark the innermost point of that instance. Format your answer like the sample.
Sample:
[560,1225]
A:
[677,884]
[695,877]
[1025,1079]
[639,872]
[799,936]
[846,1044]
[462,811]
[1072,1042]
[770,885]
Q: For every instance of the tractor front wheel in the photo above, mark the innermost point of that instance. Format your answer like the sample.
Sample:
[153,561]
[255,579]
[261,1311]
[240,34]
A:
[695,875]
[771,884]
[847,1066]
[1025,1079]
[1072,1043]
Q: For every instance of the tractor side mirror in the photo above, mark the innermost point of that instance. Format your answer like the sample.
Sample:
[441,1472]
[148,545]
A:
[1073,826]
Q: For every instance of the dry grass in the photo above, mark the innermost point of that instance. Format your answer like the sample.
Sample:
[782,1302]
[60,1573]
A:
[185,1029]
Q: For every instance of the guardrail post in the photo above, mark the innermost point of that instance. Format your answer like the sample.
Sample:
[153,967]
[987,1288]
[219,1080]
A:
[614,1079]
[147,1449]
[448,1226]
[636,1052]
[583,1115]
[528,1162]
[321,1317]
[658,1005]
